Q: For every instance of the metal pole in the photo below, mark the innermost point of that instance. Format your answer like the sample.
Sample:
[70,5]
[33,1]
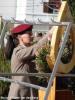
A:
[40,30]
[2,35]
[36,74]
[24,74]
[22,83]
[39,22]
[57,60]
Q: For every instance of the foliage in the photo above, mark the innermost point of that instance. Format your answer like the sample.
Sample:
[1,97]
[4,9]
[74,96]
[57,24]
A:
[4,67]
[67,52]
[72,7]
[71,81]
[42,64]
[4,64]
[41,58]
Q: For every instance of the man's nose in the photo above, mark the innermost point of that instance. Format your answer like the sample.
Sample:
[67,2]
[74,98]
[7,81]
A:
[32,38]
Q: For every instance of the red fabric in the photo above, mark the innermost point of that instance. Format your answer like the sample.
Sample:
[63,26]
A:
[21,28]
[58,4]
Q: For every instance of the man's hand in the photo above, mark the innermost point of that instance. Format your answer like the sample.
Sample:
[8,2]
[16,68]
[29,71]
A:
[36,53]
[51,30]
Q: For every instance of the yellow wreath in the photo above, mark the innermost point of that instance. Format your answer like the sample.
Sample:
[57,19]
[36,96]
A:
[64,15]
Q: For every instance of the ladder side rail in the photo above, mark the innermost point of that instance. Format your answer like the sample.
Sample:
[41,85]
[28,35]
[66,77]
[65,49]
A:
[22,83]
[57,60]
[38,22]
[36,74]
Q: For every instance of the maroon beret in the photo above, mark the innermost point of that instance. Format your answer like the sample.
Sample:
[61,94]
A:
[21,28]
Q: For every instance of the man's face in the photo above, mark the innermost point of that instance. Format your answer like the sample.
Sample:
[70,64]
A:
[27,38]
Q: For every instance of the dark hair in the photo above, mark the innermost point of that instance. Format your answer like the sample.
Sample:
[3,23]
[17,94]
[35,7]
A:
[9,47]
[12,43]
[40,34]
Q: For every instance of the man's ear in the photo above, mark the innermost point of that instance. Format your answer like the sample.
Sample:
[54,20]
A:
[19,36]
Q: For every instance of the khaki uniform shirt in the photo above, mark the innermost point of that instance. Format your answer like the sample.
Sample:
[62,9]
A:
[21,62]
